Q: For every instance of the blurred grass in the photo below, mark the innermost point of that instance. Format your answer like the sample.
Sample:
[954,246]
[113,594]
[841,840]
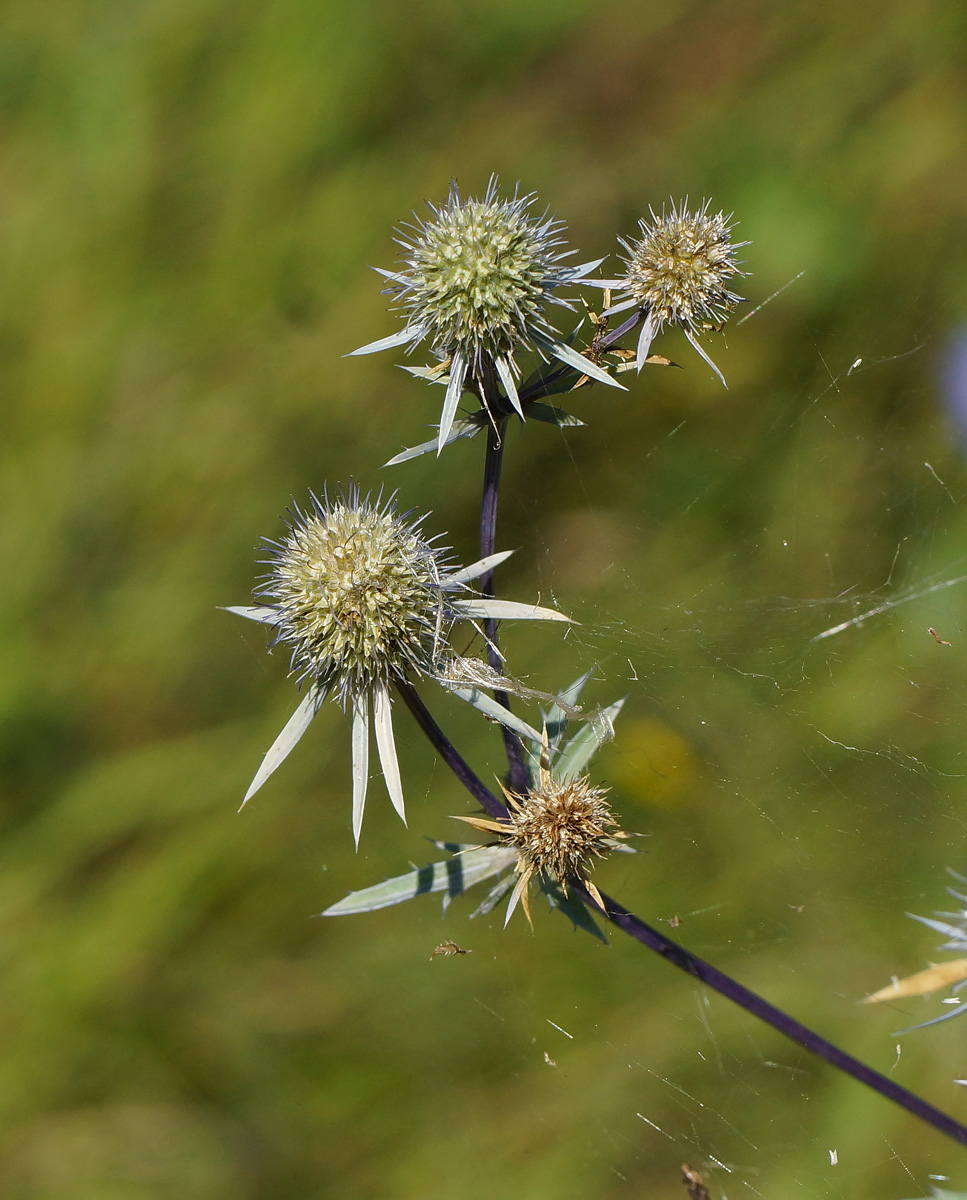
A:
[189,197]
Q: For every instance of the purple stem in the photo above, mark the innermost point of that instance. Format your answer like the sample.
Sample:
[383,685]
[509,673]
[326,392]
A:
[448,752]
[615,335]
[517,777]
[757,1007]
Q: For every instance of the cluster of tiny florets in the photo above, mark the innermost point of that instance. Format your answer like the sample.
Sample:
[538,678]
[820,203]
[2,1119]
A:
[476,276]
[680,268]
[559,826]
[357,593]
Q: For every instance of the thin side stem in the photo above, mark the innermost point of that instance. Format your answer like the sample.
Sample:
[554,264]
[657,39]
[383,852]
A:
[448,752]
[764,1011]
[516,770]
[615,335]
[605,342]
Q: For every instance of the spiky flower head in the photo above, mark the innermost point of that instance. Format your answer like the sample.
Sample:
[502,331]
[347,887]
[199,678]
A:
[357,593]
[474,282]
[557,828]
[364,600]
[679,272]
[479,273]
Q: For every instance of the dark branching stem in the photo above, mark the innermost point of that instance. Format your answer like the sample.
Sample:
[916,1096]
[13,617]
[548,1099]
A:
[757,1007]
[516,770]
[448,752]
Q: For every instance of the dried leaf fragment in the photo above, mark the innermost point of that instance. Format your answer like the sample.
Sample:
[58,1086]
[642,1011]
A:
[923,982]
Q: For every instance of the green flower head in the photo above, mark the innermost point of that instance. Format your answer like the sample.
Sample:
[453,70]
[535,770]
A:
[358,595]
[474,282]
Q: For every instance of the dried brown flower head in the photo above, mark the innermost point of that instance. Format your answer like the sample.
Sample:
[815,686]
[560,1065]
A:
[557,828]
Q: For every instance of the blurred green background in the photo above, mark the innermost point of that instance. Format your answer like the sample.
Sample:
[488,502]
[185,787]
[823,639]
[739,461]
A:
[190,196]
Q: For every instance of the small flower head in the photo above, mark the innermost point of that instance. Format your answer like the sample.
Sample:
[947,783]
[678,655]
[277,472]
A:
[557,828]
[474,281]
[679,272]
[681,265]
[357,595]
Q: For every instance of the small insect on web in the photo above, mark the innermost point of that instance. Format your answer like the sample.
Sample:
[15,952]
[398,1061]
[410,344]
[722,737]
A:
[695,1183]
[448,949]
